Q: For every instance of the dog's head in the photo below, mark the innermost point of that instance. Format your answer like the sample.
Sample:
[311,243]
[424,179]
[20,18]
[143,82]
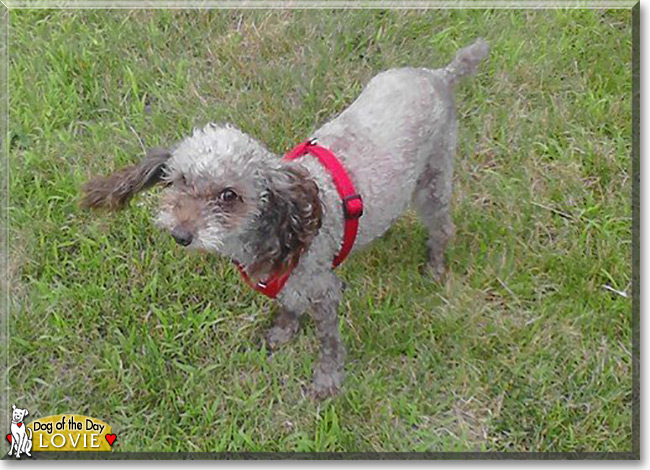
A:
[18,414]
[224,192]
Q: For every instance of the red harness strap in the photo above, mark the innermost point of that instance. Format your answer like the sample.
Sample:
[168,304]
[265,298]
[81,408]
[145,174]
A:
[352,211]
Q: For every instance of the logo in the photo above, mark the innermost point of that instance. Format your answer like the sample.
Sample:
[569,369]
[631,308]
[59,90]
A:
[20,438]
[59,433]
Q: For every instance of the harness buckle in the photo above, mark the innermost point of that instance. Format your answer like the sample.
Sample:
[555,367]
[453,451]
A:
[352,206]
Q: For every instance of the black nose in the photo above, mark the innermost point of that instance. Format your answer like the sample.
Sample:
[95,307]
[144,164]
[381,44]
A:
[182,235]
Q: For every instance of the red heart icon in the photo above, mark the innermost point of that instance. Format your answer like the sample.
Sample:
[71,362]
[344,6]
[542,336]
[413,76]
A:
[9,438]
[111,438]
[19,424]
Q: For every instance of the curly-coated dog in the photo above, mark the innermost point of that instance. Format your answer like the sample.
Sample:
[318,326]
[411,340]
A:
[226,193]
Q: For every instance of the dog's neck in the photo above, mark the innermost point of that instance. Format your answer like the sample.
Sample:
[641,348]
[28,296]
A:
[246,252]
[245,248]
[239,250]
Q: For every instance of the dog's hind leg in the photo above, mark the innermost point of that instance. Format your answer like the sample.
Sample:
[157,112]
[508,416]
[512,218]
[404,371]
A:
[28,442]
[432,199]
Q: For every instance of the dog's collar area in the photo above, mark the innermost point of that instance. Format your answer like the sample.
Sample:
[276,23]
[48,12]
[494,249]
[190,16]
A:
[272,286]
[352,203]
[352,206]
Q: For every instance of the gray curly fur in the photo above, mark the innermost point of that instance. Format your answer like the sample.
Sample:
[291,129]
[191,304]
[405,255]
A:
[397,142]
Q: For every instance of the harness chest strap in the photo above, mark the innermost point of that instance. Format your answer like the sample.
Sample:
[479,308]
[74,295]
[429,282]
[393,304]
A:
[352,205]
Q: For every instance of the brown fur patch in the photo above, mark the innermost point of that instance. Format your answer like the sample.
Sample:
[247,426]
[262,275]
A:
[188,212]
[193,204]
[235,212]
[114,192]
[291,221]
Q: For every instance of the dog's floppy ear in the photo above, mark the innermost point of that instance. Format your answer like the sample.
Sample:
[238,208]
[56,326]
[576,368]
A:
[290,220]
[114,192]
[13,407]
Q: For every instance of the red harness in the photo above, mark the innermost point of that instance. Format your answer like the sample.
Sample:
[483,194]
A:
[352,211]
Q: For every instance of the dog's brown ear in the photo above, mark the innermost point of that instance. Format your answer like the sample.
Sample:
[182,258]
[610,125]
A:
[114,192]
[289,222]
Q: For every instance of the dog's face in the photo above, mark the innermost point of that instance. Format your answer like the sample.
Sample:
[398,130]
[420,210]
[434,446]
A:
[215,188]
[18,414]
[224,192]
[204,212]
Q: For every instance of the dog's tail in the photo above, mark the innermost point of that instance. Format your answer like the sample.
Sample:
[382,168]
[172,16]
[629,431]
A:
[466,61]
[27,430]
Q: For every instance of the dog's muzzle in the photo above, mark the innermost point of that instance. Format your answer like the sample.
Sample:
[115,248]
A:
[182,235]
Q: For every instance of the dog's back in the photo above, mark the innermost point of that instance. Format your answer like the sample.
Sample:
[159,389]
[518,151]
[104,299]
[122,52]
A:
[387,136]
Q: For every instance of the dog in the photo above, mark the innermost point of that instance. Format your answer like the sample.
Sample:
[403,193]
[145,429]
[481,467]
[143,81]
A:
[21,440]
[226,193]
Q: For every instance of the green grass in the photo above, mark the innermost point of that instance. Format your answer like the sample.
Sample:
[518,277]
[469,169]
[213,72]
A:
[519,349]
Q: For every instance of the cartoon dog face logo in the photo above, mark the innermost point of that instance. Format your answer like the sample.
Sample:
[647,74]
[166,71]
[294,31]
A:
[18,414]
[21,437]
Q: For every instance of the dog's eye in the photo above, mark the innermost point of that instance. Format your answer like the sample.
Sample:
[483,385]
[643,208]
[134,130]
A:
[228,195]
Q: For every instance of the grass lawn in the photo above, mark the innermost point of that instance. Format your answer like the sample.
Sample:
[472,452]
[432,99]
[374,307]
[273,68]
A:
[521,348]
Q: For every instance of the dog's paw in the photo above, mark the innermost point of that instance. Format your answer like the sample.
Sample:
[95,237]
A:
[326,384]
[278,336]
[436,271]
[285,326]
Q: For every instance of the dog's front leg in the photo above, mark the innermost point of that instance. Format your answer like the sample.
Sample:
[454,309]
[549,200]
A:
[19,446]
[293,302]
[328,372]
[285,326]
